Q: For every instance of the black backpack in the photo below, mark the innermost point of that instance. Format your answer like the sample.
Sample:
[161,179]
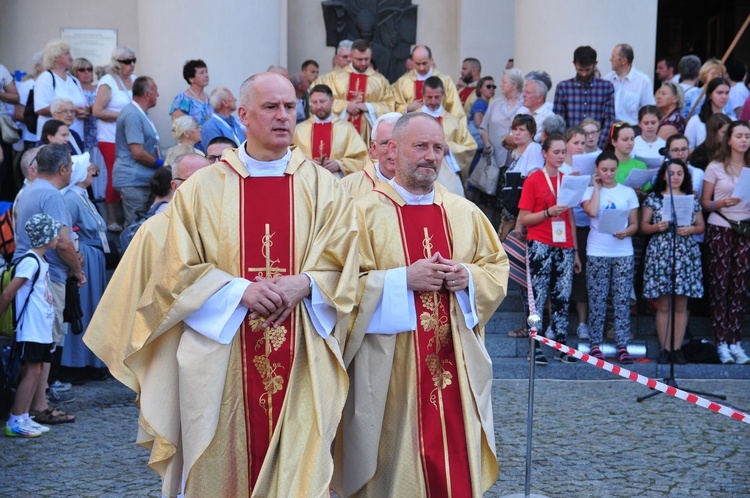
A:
[30,117]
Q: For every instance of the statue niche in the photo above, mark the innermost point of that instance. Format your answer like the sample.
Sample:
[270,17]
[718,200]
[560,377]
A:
[389,25]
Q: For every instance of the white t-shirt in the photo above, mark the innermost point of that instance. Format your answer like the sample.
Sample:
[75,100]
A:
[36,323]
[695,131]
[604,244]
[105,132]
[5,79]
[530,161]
[641,148]
[45,94]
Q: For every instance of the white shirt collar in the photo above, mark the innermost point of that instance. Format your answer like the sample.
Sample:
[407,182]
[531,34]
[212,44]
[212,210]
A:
[435,114]
[380,173]
[413,199]
[354,70]
[422,78]
[327,120]
[264,168]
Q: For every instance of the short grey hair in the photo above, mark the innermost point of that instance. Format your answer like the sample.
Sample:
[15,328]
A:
[176,170]
[403,123]
[220,93]
[51,158]
[54,49]
[26,159]
[58,103]
[117,54]
[677,90]
[344,44]
[515,76]
[389,118]
[541,88]
[554,124]
[542,77]
[689,67]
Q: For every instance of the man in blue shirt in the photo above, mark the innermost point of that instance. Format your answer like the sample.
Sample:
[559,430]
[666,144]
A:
[586,96]
[222,123]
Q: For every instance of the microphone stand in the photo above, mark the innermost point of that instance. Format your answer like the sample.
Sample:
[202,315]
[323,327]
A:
[670,380]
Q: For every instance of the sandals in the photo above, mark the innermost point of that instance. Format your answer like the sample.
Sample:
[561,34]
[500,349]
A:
[623,356]
[519,333]
[596,353]
[52,416]
[114,227]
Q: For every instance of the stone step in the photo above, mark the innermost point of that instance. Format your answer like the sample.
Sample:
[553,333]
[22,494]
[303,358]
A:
[518,368]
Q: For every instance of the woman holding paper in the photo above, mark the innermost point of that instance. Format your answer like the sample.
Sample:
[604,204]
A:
[552,252]
[672,180]
[621,142]
[717,96]
[575,142]
[609,257]
[648,143]
[729,265]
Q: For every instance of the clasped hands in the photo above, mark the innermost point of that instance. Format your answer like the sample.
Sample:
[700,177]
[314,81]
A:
[275,298]
[435,273]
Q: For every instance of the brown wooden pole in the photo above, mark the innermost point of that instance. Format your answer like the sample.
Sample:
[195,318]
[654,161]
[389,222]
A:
[723,60]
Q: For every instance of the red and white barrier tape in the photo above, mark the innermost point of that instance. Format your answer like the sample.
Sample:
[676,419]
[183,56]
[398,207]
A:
[646,381]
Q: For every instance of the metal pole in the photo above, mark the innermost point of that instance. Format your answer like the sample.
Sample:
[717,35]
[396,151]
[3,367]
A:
[534,322]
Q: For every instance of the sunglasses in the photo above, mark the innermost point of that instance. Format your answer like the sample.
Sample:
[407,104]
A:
[490,87]
[86,70]
[127,61]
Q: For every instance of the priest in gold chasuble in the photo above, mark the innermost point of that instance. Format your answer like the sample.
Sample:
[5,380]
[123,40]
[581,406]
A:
[408,89]
[330,142]
[381,166]
[461,145]
[245,317]
[418,419]
[360,95]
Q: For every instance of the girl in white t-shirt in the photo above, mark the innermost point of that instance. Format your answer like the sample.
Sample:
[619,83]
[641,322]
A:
[30,290]
[609,255]
[648,143]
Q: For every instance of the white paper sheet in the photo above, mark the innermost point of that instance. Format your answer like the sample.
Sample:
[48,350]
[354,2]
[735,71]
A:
[637,178]
[683,206]
[612,221]
[652,162]
[572,189]
[742,187]
[585,164]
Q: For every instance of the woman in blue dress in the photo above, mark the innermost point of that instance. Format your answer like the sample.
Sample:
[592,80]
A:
[91,230]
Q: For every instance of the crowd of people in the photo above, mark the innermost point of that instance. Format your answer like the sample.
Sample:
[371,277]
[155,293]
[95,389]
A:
[356,206]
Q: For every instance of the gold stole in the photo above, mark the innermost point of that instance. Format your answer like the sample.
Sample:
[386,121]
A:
[322,137]
[465,92]
[357,91]
[443,449]
[418,89]
[267,234]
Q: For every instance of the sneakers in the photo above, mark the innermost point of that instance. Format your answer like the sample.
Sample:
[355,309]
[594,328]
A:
[724,355]
[738,353]
[60,387]
[623,357]
[582,331]
[57,397]
[39,427]
[21,429]
[566,358]
[596,353]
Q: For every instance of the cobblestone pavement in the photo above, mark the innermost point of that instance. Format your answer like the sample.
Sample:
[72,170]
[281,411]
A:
[591,438]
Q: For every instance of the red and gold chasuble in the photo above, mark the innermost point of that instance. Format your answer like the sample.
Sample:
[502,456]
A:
[418,89]
[465,92]
[445,461]
[322,138]
[357,91]
[267,235]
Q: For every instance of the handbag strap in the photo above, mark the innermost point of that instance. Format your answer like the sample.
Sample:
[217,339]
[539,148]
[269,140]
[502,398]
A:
[725,218]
